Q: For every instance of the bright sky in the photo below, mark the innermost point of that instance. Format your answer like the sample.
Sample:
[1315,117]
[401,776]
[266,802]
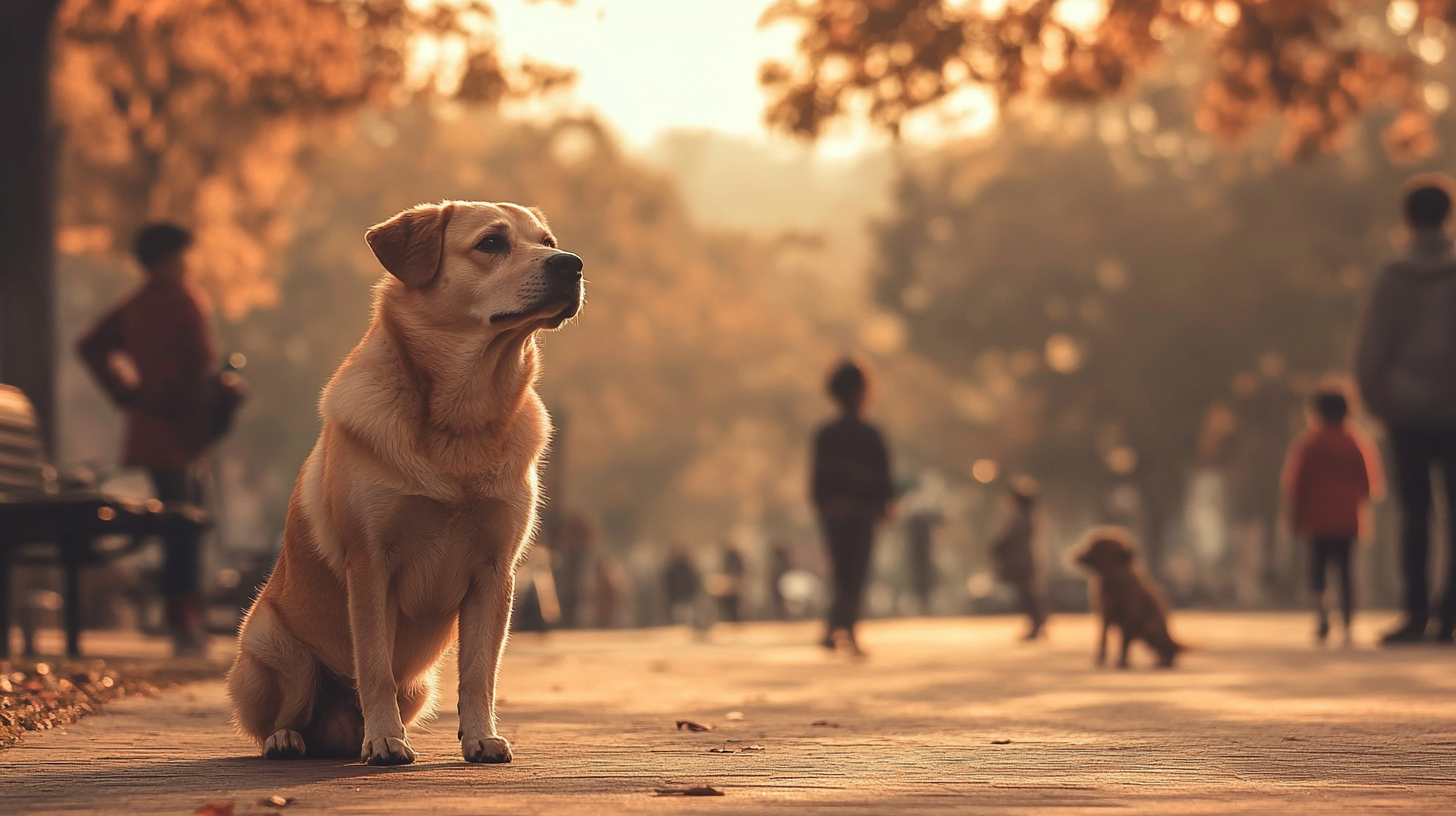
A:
[653,65]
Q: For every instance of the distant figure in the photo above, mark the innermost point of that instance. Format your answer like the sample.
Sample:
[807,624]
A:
[681,584]
[852,490]
[730,598]
[1124,597]
[606,593]
[1405,363]
[919,553]
[575,550]
[779,565]
[153,355]
[1013,552]
[1330,476]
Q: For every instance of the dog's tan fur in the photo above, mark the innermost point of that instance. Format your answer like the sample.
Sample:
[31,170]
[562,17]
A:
[411,513]
[1124,596]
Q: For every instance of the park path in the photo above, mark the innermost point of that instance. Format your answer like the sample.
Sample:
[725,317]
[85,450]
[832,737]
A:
[947,716]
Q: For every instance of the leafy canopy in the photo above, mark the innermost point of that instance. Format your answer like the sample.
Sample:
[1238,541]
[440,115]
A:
[1317,65]
[201,111]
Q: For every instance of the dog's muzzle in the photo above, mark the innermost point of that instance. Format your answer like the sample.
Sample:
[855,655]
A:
[563,280]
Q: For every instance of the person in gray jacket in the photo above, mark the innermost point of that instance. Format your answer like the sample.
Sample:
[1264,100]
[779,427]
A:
[1406,367]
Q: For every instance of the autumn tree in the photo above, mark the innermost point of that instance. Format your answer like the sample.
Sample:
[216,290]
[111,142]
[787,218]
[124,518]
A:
[1314,65]
[201,111]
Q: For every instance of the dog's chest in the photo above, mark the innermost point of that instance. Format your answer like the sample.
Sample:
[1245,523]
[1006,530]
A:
[438,549]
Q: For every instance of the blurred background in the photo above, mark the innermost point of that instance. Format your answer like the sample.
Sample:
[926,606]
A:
[1110,245]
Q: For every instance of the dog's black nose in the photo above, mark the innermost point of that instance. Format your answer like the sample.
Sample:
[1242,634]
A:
[564,266]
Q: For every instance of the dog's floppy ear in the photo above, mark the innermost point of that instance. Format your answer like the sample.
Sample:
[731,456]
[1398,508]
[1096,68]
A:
[411,244]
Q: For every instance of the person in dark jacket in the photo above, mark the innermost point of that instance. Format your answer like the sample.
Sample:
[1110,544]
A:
[852,490]
[681,584]
[730,585]
[1014,553]
[1405,362]
[153,355]
[919,553]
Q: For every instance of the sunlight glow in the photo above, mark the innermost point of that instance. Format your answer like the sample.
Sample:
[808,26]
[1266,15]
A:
[648,66]
[1081,17]
[1401,15]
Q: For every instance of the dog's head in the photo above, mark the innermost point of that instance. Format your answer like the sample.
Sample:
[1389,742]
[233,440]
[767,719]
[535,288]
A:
[1106,549]
[494,265]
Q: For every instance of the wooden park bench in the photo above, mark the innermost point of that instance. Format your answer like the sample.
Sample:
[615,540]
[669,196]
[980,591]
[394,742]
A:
[49,520]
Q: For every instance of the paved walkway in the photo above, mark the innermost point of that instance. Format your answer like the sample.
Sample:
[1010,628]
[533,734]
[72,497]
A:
[947,716]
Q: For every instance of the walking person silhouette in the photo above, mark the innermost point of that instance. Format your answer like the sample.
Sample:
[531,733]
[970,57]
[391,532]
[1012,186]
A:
[852,490]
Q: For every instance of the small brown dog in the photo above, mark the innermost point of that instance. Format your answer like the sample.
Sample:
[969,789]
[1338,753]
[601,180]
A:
[1124,596]
[410,516]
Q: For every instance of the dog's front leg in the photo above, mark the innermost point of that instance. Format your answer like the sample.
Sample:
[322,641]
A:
[372,622]
[1126,645]
[485,616]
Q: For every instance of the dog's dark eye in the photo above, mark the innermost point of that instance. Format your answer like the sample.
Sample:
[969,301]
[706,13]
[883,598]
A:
[494,243]
[549,241]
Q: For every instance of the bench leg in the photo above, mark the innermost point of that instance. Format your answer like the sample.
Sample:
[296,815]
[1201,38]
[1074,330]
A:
[73,604]
[5,605]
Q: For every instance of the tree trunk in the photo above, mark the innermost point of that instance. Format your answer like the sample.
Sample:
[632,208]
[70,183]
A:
[27,204]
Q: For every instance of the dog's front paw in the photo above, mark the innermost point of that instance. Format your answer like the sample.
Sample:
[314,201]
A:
[387,751]
[491,750]
[284,744]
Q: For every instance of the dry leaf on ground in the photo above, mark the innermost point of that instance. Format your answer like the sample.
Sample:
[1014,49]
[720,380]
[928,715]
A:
[276,801]
[215,809]
[699,790]
[1001,742]
[825,723]
[693,726]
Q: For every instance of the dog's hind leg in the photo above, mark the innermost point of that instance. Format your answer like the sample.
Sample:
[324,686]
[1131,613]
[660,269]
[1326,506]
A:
[1102,643]
[273,685]
[1127,639]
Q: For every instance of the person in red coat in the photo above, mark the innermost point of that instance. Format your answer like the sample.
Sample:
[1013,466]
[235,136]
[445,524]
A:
[153,355]
[1330,476]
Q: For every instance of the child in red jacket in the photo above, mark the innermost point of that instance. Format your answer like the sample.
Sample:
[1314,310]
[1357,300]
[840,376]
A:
[1331,474]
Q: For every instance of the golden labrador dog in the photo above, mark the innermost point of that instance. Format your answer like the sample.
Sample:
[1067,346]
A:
[419,498]
[1124,596]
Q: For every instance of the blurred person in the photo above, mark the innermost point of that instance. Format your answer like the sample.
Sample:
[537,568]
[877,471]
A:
[1405,363]
[681,585]
[852,490]
[919,552]
[153,356]
[1331,474]
[730,594]
[606,593]
[779,565]
[1013,552]
[578,542]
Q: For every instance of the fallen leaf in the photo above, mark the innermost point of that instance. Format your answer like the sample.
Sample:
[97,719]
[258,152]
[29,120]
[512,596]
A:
[721,751]
[693,726]
[700,790]
[751,748]
[1001,742]
[825,723]
[276,801]
[733,715]
[215,809]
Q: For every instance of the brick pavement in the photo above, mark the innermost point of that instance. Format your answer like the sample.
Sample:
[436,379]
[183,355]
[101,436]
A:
[1257,720]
